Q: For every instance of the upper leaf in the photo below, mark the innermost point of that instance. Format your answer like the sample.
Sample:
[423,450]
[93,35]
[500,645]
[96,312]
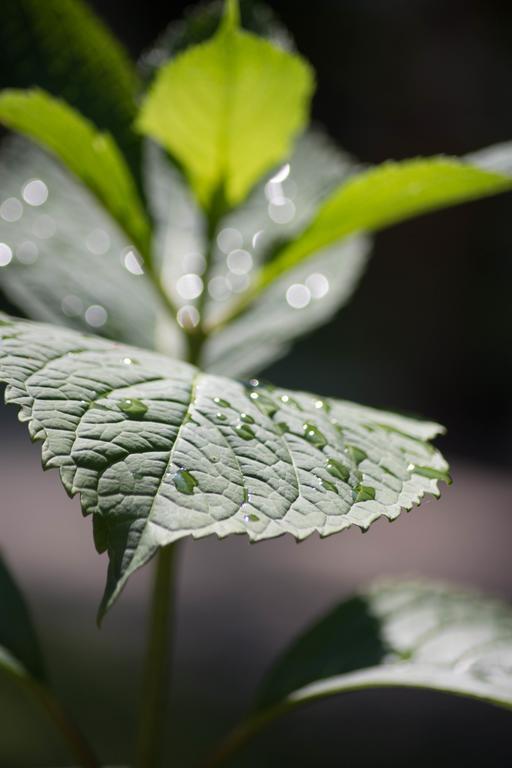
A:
[379,197]
[61,46]
[396,634]
[158,450]
[228,110]
[92,156]
[19,648]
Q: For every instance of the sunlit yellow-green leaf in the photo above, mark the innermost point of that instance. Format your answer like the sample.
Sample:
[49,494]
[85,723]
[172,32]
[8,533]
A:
[228,109]
[382,196]
[91,155]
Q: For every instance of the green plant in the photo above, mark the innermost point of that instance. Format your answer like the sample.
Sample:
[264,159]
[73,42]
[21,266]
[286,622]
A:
[148,424]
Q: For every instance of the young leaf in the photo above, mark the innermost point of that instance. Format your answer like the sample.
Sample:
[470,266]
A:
[379,197]
[92,156]
[158,450]
[19,648]
[412,634]
[228,109]
[62,47]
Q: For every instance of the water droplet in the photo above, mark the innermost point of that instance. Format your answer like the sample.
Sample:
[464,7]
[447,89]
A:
[239,261]
[96,316]
[229,239]
[72,305]
[5,255]
[430,472]
[35,192]
[98,242]
[287,400]
[281,174]
[322,405]
[132,261]
[264,403]
[327,485]
[11,210]
[318,285]
[133,407]
[313,435]
[189,286]
[337,469]
[251,518]
[364,493]
[221,416]
[27,252]
[356,454]
[219,288]
[223,403]
[256,238]
[184,481]
[254,382]
[188,316]
[244,431]
[247,418]
[128,361]
[298,296]
[282,427]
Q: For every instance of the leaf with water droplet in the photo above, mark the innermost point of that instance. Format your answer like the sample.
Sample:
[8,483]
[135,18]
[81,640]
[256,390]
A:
[184,481]
[264,403]
[364,493]
[247,418]
[183,471]
[313,435]
[245,431]
[431,472]
[220,401]
[133,407]
[337,469]
[356,454]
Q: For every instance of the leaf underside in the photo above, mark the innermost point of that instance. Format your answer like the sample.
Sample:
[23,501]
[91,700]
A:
[158,450]
[401,634]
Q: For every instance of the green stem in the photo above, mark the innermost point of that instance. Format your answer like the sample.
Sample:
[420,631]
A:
[77,745]
[155,691]
[243,733]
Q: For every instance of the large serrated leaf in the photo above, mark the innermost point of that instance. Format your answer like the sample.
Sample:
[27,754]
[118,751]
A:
[158,450]
[20,653]
[228,109]
[92,156]
[412,634]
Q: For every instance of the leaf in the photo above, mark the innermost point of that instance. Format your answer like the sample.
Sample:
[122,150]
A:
[228,110]
[400,634]
[379,197]
[20,653]
[66,255]
[92,156]
[158,450]
[278,210]
[62,47]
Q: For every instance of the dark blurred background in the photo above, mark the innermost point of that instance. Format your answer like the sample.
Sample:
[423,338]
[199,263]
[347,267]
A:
[427,332]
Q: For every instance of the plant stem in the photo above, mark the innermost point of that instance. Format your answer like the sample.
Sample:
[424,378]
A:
[243,733]
[155,693]
[77,745]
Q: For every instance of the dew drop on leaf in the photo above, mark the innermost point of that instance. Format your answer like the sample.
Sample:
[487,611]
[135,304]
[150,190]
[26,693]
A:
[247,418]
[364,493]
[433,474]
[314,436]
[184,481]
[133,407]
[221,402]
[337,469]
[356,454]
[328,486]
[244,431]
